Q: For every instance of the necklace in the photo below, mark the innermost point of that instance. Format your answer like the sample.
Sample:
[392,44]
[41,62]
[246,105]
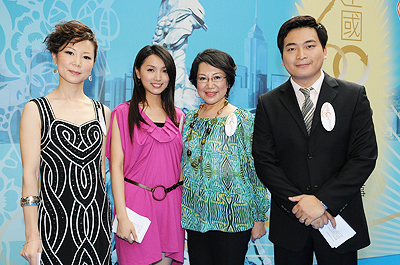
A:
[195,163]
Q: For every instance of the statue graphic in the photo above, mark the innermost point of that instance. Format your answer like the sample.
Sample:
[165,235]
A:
[176,21]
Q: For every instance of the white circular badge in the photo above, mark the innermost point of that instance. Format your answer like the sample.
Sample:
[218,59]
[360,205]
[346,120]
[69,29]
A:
[231,124]
[328,117]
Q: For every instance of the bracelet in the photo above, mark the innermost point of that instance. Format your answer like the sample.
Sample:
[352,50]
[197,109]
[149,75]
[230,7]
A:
[30,204]
[29,201]
[326,207]
[32,240]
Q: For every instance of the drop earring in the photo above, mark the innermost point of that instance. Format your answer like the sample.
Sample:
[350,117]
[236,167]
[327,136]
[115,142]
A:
[55,70]
[90,78]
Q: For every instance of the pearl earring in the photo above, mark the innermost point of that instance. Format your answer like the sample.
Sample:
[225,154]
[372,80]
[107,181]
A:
[55,70]
[90,78]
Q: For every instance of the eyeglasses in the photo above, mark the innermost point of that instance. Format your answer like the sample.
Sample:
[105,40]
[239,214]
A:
[214,79]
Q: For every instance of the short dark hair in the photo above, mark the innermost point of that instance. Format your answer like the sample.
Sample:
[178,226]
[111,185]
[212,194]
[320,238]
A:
[302,22]
[73,32]
[139,92]
[217,59]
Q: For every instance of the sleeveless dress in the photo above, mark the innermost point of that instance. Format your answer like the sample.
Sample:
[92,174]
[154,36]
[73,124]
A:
[152,158]
[75,213]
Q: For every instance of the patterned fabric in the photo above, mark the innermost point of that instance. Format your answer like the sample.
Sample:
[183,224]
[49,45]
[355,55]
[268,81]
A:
[75,213]
[307,110]
[223,193]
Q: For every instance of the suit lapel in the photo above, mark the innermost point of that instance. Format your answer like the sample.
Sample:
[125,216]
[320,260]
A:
[327,94]
[289,100]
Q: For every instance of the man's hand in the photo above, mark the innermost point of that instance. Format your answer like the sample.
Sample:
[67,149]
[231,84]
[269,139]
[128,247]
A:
[307,209]
[323,220]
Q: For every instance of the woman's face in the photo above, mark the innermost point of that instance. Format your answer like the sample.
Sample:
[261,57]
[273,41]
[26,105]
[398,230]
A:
[75,62]
[211,84]
[154,75]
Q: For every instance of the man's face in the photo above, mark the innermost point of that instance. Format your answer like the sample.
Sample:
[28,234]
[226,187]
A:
[303,56]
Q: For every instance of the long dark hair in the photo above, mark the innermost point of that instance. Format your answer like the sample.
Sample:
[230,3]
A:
[139,92]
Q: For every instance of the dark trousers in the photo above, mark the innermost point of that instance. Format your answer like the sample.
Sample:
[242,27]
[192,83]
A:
[323,252]
[216,247]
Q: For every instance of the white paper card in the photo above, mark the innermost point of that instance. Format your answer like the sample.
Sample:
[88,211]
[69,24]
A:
[38,258]
[336,237]
[140,223]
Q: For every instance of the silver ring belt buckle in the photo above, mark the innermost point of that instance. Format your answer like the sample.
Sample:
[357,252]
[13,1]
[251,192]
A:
[153,190]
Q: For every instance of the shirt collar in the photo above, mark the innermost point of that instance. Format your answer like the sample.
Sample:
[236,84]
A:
[316,86]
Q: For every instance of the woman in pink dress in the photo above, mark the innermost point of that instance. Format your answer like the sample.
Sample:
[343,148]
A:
[144,146]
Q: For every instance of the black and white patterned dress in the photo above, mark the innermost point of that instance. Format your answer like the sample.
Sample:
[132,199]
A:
[75,213]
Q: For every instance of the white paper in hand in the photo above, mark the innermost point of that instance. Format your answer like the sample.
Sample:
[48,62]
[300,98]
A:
[336,237]
[38,258]
[140,223]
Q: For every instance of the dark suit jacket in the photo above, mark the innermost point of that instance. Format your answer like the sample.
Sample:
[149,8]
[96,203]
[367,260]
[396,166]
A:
[333,165]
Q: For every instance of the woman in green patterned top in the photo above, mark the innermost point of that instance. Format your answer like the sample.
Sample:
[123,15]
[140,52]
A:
[224,203]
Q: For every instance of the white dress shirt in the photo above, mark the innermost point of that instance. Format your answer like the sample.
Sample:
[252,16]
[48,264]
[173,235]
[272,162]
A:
[314,93]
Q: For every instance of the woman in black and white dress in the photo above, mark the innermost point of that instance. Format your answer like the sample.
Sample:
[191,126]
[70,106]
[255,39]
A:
[62,137]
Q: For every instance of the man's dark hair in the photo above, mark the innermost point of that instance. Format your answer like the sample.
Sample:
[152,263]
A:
[302,22]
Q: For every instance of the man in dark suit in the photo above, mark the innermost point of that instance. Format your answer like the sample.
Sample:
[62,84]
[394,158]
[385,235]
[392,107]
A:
[314,147]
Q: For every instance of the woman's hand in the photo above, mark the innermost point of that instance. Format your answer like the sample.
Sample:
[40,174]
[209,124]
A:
[30,250]
[126,230]
[258,230]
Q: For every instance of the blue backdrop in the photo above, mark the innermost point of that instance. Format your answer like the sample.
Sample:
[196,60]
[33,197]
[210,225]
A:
[363,38]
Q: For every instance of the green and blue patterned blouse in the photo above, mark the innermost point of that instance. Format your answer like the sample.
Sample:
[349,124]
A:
[223,192]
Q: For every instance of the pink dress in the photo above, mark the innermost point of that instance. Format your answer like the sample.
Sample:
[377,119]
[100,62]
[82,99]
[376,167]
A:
[152,158]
